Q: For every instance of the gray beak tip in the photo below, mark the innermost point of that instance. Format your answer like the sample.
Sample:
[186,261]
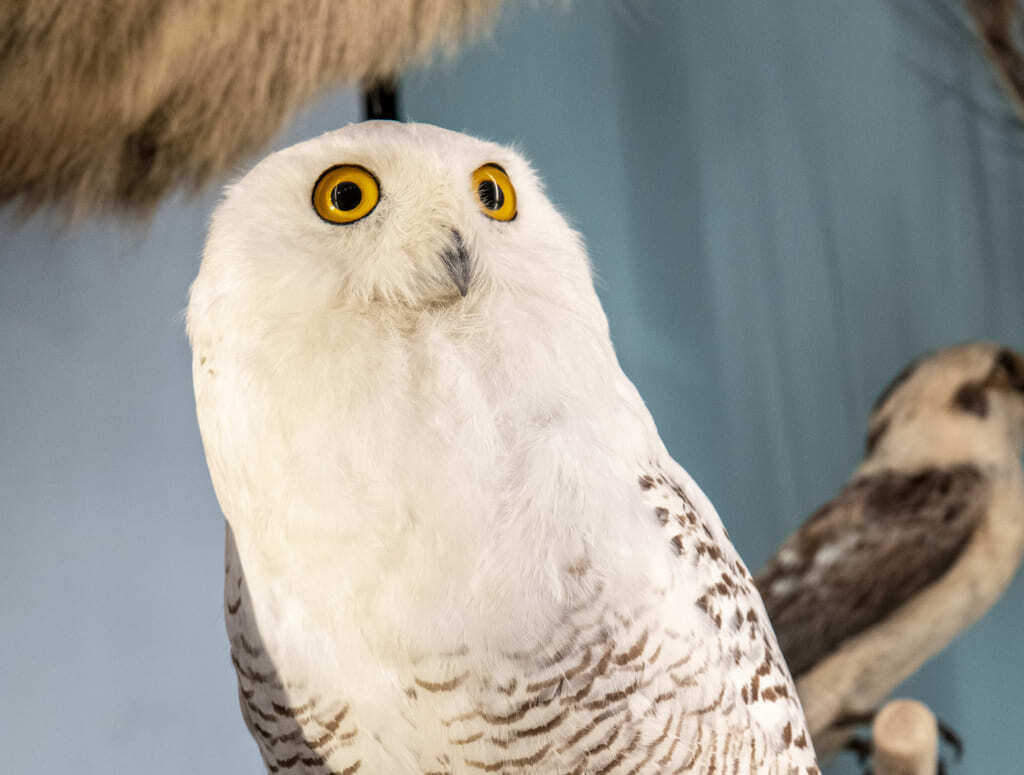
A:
[456,261]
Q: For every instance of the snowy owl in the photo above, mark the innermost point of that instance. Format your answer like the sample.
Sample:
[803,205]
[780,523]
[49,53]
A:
[456,543]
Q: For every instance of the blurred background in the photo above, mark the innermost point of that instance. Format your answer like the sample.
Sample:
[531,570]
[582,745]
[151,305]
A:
[784,203]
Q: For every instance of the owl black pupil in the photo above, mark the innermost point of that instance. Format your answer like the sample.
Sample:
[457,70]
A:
[490,195]
[346,196]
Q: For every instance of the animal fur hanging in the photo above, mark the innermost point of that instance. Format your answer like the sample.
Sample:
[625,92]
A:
[110,105]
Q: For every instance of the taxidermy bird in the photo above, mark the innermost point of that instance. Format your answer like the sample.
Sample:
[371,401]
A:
[456,542]
[918,544]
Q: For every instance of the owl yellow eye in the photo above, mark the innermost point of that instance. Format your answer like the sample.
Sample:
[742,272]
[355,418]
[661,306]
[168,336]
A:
[494,192]
[345,193]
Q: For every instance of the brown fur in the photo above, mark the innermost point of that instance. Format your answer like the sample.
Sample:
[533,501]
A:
[109,105]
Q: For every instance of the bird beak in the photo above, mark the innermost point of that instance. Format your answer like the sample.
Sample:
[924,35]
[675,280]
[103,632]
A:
[456,261]
[1008,371]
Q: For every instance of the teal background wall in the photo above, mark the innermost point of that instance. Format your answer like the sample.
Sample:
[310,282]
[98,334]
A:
[784,203]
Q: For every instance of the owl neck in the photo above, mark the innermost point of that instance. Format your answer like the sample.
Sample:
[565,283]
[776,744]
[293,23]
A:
[436,463]
[437,430]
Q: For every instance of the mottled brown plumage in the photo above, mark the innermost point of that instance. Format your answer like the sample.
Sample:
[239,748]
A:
[867,551]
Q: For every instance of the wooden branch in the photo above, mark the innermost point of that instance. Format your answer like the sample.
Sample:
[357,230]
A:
[906,739]
[1000,24]
[854,680]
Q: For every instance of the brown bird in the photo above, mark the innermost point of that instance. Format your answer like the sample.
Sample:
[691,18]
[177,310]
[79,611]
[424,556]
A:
[915,547]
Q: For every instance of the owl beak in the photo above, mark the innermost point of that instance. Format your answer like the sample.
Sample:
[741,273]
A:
[456,261]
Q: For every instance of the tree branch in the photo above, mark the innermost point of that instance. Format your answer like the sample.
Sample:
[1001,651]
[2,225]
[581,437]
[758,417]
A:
[906,739]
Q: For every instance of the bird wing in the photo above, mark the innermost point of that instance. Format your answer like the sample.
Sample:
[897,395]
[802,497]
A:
[881,540]
[296,730]
[740,652]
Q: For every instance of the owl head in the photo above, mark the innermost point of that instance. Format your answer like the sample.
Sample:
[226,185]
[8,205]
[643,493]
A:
[393,325]
[388,218]
[412,286]
[965,401]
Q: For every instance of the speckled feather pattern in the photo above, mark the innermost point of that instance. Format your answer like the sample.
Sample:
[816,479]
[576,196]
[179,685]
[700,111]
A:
[608,691]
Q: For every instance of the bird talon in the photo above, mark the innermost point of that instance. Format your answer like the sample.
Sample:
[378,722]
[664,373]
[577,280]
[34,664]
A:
[859,747]
[951,737]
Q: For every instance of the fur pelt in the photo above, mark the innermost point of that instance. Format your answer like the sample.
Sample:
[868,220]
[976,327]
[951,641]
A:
[109,105]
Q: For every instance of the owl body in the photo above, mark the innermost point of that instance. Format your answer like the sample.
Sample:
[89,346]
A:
[456,542]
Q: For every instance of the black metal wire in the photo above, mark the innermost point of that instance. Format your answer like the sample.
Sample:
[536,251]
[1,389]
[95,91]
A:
[380,101]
